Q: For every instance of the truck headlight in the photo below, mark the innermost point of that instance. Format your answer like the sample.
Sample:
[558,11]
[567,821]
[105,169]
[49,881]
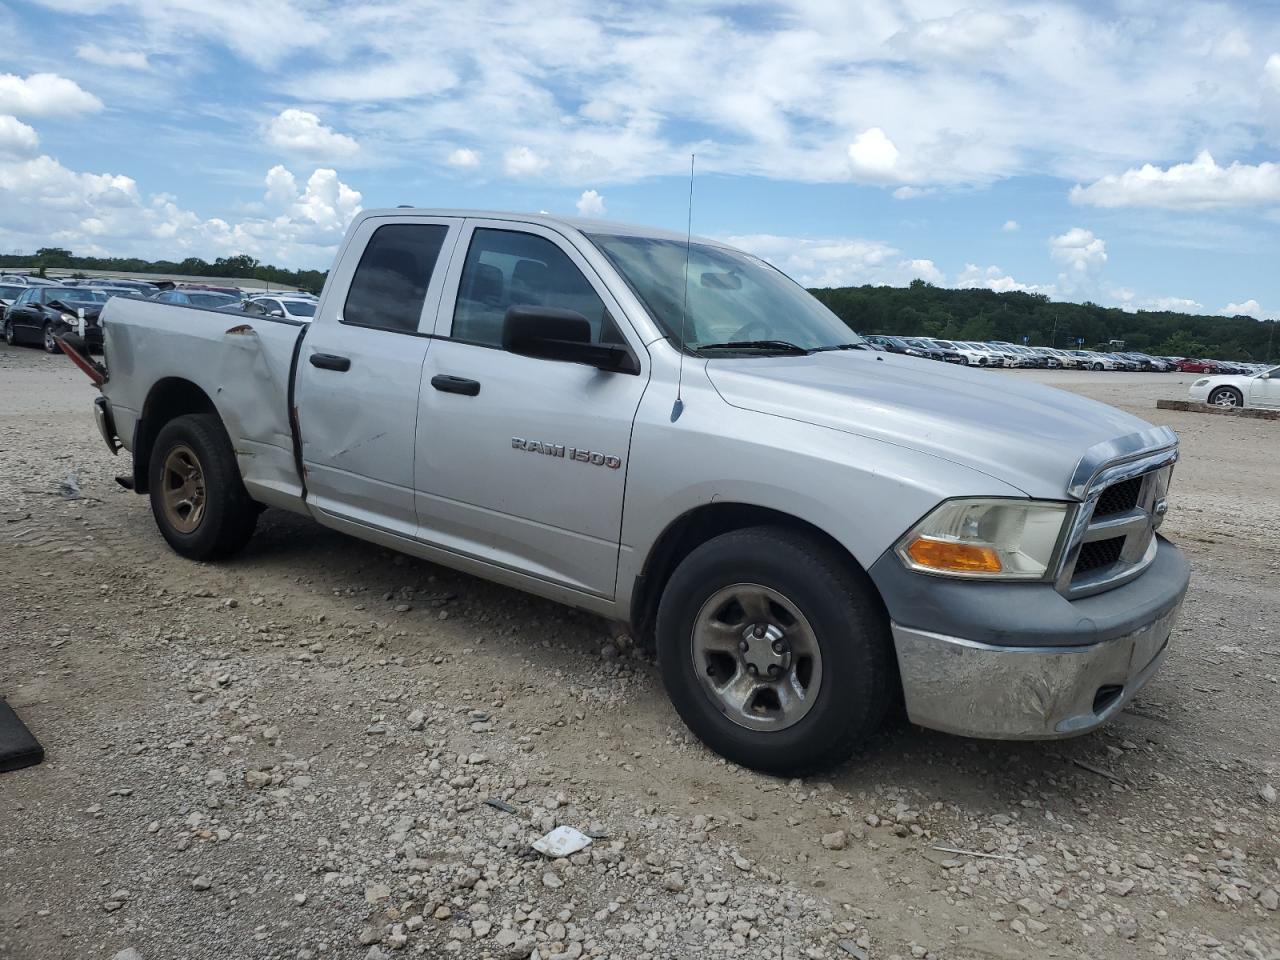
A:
[986,539]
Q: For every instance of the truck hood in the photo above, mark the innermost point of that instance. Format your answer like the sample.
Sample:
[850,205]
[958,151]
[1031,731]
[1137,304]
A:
[1024,434]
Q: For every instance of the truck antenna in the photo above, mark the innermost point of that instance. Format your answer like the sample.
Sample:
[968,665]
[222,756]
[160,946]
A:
[678,407]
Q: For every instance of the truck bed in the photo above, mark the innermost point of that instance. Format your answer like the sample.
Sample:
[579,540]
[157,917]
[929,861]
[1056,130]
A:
[242,363]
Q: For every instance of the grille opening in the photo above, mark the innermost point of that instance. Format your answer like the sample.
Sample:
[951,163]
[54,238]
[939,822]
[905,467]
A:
[1106,696]
[1119,498]
[1099,553]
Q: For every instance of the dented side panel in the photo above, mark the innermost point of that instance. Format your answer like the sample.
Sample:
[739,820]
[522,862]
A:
[243,368]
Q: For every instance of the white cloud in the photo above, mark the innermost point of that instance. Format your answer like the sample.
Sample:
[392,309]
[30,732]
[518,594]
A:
[837,262]
[282,187]
[590,204]
[106,214]
[1126,299]
[298,131]
[131,59]
[993,278]
[1081,254]
[16,138]
[912,193]
[873,156]
[464,158]
[1250,308]
[44,95]
[1201,183]
[522,162]
[966,36]
[1010,226]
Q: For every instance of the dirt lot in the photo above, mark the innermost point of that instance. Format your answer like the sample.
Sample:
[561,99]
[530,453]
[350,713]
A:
[289,756]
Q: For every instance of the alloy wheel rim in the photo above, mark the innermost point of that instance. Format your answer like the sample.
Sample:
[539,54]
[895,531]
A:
[182,489]
[756,657]
[1225,399]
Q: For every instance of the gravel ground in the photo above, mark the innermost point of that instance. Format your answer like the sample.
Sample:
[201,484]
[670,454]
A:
[324,749]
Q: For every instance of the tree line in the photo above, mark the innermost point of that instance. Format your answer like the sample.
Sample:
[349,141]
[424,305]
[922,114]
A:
[920,309]
[923,309]
[242,266]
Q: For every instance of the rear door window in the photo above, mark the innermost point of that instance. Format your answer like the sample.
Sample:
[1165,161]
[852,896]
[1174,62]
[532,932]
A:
[390,284]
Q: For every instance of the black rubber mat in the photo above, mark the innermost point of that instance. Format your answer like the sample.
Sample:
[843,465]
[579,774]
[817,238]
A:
[18,748]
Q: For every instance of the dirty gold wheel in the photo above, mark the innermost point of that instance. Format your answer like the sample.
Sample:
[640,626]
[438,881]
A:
[197,497]
[183,489]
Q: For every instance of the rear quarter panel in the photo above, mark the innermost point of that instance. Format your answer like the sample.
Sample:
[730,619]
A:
[242,364]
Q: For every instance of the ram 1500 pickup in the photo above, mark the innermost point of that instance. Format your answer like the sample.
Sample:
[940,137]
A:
[672,433]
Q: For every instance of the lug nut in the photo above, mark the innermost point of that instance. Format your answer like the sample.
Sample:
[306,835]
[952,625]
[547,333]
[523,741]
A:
[759,631]
[743,646]
[751,669]
[777,647]
[773,670]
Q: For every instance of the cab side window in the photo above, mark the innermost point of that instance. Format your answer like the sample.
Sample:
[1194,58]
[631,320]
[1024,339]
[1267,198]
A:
[506,268]
[390,284]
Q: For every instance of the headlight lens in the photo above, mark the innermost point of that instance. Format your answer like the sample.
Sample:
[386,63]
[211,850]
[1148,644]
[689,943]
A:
[1201,382]
[986,539]
[68,318]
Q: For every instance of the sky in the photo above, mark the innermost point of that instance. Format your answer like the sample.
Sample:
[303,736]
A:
[1120,152]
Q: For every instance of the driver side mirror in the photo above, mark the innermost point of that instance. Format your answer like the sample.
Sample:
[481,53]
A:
[276,313]
[552,334]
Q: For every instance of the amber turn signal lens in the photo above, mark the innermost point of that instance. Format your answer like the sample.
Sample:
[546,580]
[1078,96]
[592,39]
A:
[953,557]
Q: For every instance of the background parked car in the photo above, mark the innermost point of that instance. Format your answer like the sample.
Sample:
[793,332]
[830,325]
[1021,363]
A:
[926,347]
[949,352]
[891,345]
[41,314]
[1256,390]
[196,298]
[1191,365]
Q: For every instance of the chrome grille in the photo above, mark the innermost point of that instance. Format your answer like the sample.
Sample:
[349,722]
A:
[1113,539]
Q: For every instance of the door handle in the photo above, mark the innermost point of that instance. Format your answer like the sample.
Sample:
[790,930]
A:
[468,388]
[331,361]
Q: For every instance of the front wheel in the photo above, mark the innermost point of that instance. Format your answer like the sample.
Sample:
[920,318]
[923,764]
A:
[197,497]
[1096,366]
[1226,397]
[775,650]
[9,337]
[50,343]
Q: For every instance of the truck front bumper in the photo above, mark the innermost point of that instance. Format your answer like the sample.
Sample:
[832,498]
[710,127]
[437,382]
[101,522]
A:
[1021,662]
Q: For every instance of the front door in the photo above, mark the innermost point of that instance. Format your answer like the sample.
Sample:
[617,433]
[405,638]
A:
[360,368]
[1264,391]
[522,462]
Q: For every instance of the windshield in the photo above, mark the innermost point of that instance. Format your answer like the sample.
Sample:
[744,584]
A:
[11,293]
[75,295]
[211,299]
[300,308]
[732,297]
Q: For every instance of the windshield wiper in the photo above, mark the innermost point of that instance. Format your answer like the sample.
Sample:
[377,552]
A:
[777,346]
[841,346]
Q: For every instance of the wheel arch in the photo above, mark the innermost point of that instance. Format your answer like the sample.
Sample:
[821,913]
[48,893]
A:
[169,398]
[694,528]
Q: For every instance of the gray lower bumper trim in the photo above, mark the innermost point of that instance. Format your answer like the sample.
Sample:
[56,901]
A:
[1025,693]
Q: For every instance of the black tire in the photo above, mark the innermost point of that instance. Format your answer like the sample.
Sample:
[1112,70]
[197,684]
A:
[859,677]
[9,337]
[46,339]
[1096,366]
[229,514]
[1221,395]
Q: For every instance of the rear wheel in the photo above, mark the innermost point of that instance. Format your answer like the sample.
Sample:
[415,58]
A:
[197,497]
[1226,397]
[775,650]
[1096,366]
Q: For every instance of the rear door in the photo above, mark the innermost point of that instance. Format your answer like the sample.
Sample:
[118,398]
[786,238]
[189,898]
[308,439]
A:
[521,461]
[360,368]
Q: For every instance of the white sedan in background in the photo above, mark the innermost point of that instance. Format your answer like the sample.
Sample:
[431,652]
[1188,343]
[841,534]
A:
[1259,390]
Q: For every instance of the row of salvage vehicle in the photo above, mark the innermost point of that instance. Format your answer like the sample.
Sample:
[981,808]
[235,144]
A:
[37,311]
[999,353]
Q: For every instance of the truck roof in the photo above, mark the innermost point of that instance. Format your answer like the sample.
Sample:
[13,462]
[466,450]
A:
[581,224]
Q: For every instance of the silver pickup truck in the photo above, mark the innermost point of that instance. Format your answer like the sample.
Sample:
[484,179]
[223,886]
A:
[672,433]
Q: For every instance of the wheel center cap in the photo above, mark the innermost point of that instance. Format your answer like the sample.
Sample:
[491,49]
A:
[763,650]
